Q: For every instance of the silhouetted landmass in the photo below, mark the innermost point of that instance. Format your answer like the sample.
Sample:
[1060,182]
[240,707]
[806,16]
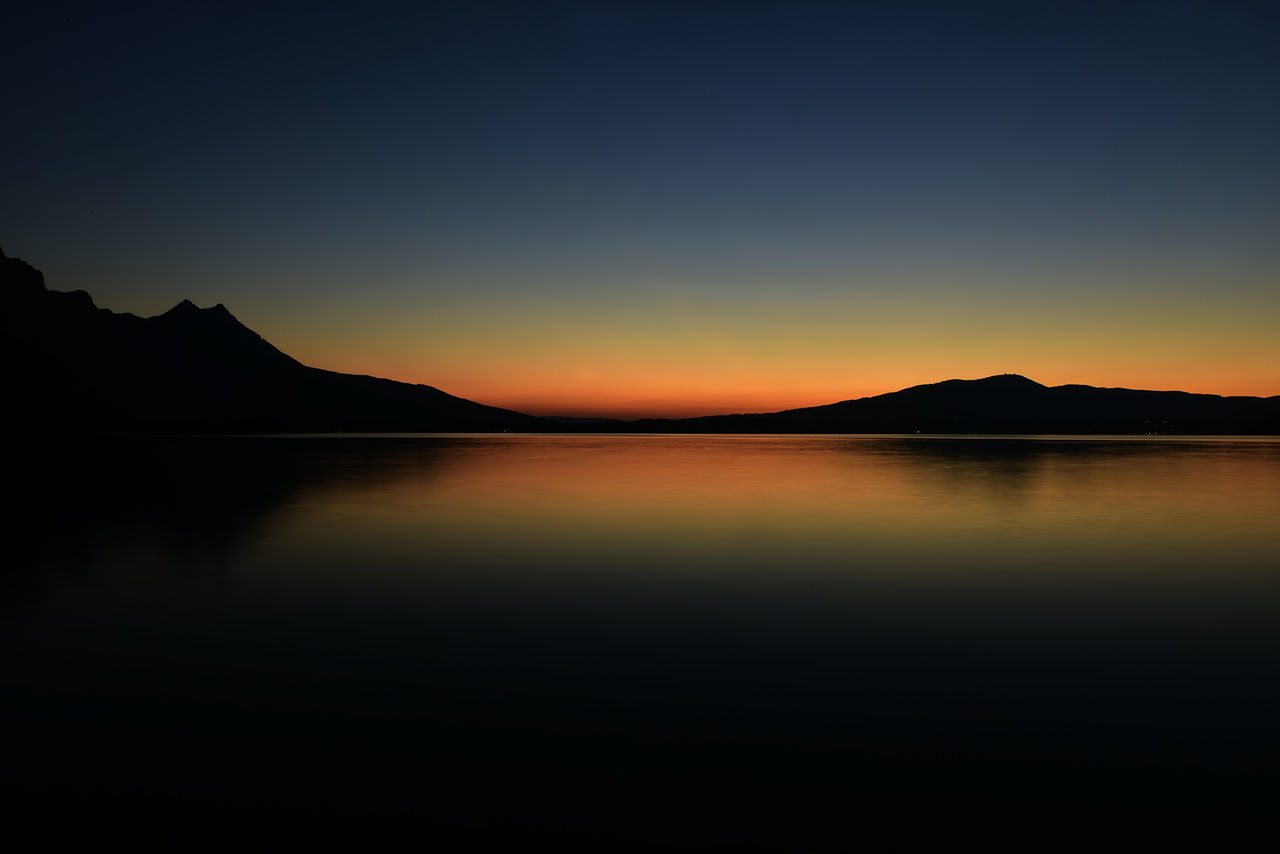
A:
[76,367]
[1006,404]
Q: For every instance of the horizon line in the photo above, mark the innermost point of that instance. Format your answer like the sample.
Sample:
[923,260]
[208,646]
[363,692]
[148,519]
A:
[627,412]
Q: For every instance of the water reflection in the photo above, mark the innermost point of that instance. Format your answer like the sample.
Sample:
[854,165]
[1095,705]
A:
[677,507]
[690,500]
[693,640]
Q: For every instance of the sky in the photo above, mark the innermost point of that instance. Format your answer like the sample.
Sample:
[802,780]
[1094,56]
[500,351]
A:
[667,209]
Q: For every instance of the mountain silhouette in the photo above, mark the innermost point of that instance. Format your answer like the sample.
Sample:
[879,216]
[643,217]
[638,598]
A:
[76,367]
[1008,403]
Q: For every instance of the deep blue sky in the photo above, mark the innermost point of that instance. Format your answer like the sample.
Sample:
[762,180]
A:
[595,190]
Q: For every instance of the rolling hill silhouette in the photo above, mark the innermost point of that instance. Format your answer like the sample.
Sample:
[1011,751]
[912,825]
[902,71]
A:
[1009,403]
[76,367]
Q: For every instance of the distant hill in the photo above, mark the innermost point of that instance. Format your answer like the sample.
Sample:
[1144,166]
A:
[1007,403]
[72,366]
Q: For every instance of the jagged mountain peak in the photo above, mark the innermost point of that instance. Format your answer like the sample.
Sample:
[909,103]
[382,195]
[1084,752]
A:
[187,314]
[194,369]
[19,280]
[187,307]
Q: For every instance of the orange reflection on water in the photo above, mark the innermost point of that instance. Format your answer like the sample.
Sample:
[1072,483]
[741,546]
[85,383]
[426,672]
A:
[889,505]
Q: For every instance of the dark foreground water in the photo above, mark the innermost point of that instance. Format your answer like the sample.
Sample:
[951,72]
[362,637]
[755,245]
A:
[781,642]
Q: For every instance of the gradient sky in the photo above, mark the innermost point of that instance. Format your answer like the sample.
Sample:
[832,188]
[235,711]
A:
[669,208]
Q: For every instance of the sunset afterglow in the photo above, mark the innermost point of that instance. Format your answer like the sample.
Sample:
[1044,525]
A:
[660,210]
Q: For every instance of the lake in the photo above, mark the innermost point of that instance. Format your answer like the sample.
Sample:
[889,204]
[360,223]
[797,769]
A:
[689,641]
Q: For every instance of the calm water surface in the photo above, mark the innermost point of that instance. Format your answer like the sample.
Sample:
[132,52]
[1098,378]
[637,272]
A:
[654,640]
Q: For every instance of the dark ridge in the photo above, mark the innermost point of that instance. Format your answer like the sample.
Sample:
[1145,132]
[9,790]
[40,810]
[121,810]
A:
[1008,404]
[74,367]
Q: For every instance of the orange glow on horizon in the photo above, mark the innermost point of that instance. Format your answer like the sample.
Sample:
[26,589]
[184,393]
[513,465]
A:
[663,397]
[719,402]
[675,356]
